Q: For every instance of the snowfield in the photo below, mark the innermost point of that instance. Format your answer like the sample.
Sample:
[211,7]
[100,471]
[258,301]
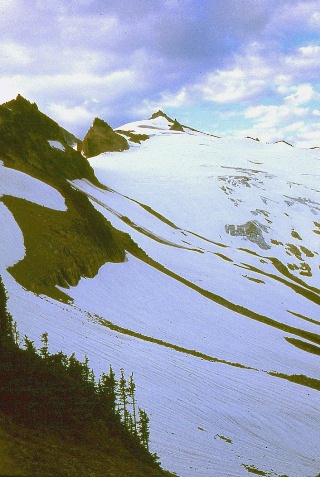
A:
[23,186]
[232,231]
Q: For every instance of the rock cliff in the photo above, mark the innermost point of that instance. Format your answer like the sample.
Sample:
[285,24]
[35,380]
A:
[102,138]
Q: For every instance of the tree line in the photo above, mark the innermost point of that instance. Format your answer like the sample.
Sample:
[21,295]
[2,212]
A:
[61,392]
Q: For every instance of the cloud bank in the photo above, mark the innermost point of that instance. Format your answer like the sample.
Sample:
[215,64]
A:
[230,67]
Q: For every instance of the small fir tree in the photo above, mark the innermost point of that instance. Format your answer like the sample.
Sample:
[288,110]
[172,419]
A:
[29,345]
[131,394]
[44,349]
[107,390]
[143,427]
[123,398]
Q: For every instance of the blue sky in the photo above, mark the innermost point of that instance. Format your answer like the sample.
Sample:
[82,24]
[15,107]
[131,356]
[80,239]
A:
[231,67]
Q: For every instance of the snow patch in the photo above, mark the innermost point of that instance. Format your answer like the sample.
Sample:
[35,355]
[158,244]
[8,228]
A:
[57,145]
[11,240]
[21,185]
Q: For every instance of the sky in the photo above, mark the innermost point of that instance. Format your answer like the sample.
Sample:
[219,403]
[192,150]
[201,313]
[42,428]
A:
[229,67]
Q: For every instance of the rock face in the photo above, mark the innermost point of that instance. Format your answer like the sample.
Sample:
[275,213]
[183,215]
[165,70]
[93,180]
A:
[102,138]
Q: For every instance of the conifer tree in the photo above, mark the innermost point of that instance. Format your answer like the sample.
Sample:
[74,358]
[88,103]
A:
[107,390]
[44,349]
[75,368]
[86,369]
[143,426]
[123,398]
[15,333]
[29,345]
[131,394]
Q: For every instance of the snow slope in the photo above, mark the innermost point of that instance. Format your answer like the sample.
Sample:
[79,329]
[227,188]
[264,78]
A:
[18,184]
[232,231]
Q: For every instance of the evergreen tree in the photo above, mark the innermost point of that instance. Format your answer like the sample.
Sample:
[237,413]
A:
[123,398]
[44,349]
[143,426]
[75,368]
[107,390]
[15,333]
[29,345]
[86,369]
[131,394]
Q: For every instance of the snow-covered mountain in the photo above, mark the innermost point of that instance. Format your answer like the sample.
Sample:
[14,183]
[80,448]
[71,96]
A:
[210,293]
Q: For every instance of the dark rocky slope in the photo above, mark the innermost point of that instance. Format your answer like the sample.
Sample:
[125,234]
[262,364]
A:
[102,138]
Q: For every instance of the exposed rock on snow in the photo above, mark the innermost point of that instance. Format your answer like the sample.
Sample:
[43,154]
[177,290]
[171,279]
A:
[251,230]
[161,114]
[102,138]
[176,126]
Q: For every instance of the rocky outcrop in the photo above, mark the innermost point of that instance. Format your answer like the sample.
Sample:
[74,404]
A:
[137,138]
[283,142]
[176,126]
[102,138]
[252,231]
[161,114]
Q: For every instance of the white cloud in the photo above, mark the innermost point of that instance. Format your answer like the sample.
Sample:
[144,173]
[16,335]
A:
[13,54]
[92,29]
[68,115]
[270,116]
[304,61]
[315,20]
[289,121]
[230,86]
[10,88]
[177,100]
[81,86]
[309,136]
[304,94]
[167,100]
[248,78]
[255,73]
